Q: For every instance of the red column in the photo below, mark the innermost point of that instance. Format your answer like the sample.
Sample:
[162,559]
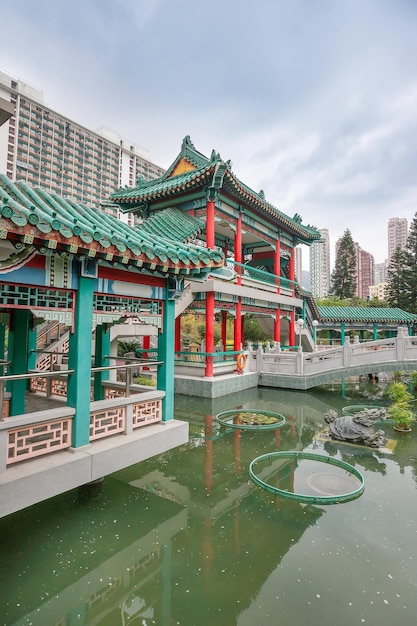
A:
[277,263]
[238,258]
[177,346]
[277,325]
[146,344]
[209,332]
[224,329]
[209,296]
[292,329]
[210,224]
[237,338]
[238,247]
[292,269]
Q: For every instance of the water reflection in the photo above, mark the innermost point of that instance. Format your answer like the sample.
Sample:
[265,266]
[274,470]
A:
[187,539]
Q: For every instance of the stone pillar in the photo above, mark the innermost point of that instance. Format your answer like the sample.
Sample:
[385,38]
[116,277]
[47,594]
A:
[79,359]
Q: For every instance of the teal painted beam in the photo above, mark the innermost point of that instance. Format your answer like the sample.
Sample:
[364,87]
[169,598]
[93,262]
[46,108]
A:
[165,381]
[102,349]
[79,359]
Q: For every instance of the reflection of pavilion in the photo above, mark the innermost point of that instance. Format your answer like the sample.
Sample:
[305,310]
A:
[120,566]
[236,533]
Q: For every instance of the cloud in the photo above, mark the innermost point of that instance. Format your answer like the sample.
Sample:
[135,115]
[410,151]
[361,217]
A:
[313,102]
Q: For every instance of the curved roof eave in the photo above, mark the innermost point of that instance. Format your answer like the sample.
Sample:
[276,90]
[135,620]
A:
[45,221]
[161,188]
[336,314]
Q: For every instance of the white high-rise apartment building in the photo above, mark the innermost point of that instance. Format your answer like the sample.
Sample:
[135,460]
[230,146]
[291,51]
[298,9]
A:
[46,149]
[298,265]
[397,234]
[320,265]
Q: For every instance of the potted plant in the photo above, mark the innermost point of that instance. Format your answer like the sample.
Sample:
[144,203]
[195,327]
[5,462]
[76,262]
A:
[413,380]
[399,410]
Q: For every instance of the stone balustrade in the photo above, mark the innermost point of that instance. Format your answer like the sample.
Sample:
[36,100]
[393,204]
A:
[347,360]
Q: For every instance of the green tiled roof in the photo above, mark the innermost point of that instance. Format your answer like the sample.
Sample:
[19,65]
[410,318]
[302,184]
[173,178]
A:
[364,314]
[213,173]
[34,217]
[173,224]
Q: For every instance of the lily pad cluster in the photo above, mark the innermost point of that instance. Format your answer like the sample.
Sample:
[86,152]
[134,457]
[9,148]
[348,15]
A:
[254,419]
[250,420]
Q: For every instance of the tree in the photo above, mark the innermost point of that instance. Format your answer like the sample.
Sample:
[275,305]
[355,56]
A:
[397,290]
[344,273]
[402,274]
[411,267]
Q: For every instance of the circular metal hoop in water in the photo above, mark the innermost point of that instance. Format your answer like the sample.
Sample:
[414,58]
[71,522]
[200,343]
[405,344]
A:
[314,484]
[241,419]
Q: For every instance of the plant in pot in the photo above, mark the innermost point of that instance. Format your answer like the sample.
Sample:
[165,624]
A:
[399,410]
[413,380]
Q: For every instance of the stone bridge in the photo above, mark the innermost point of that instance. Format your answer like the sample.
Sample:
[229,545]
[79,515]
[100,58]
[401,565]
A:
[304,370]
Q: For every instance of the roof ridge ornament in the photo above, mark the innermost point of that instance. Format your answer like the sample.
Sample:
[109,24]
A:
[187,143]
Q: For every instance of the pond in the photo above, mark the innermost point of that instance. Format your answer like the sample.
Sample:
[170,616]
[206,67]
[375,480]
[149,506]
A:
[188,539]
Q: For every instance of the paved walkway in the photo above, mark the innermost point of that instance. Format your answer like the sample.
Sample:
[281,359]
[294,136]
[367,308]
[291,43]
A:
[35,402]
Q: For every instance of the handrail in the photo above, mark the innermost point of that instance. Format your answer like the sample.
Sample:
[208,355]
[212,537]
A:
[33,351]
[33,374]
[264,276]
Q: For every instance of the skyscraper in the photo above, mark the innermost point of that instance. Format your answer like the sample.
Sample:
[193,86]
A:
[320,265]
[46,149]
[365,270]
[397,234]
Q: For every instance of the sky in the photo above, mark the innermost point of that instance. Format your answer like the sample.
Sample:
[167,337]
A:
[313,101]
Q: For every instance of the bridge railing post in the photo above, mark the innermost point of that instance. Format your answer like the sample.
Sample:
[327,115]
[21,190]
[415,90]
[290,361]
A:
[249,349]
[259,358]
[300,363]
[400,345]
[347,353]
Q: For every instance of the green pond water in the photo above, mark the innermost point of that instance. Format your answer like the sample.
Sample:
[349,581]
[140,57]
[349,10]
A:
[188,539]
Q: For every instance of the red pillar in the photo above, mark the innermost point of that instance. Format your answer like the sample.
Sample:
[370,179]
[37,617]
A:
[277,325]
[209,332]
[177,346]
[292,269]
[209,296]
[224,329]
[292,329]
[277,263]
[146,344]
[210,224]
[238,258]
[237,338]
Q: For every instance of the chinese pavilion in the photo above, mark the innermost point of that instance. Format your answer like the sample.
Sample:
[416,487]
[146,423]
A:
[200,199]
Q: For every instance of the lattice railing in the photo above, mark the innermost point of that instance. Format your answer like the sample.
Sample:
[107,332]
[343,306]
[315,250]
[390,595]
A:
[37,439]
[112,392]
[147,412]
[107,422]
